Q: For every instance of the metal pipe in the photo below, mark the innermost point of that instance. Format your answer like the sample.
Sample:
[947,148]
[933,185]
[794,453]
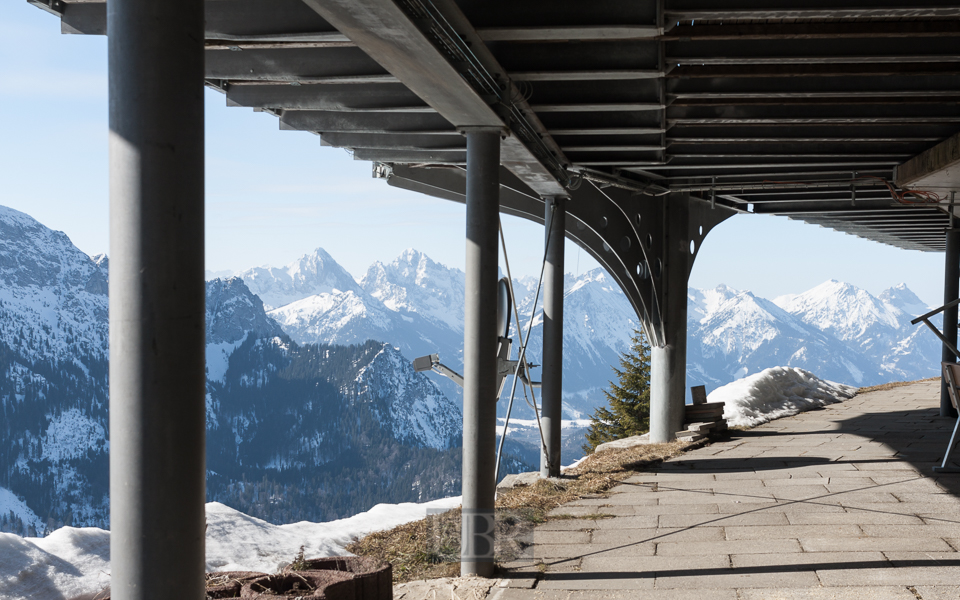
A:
[479,352]
[157,378]
[551,387]
[951,291]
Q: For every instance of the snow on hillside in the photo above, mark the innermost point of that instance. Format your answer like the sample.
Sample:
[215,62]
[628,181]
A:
[73,561]
[53,297]
[903,299]
[774,393]
[419,413]
[701,304]
[13,507]
[746,334]
[334,318]
[841,309]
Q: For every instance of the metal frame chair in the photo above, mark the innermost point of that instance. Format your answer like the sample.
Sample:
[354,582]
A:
[951,375]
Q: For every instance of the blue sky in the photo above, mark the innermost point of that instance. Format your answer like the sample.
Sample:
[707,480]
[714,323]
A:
[273,196]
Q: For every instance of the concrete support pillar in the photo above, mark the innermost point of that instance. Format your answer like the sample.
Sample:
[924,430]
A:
[479,352]
[668,361]
[951,291]
[157,378]
[552,371]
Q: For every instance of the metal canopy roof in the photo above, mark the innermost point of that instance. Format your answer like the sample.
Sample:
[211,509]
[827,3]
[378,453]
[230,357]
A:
[800,108]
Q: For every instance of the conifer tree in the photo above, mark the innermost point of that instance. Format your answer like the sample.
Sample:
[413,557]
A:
[628,410]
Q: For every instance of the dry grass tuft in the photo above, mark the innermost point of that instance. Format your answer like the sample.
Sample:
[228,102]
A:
[430,548]
[892,385]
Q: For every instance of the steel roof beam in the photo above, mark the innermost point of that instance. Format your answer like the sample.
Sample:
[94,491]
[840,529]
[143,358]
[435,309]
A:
[852,100]
[597,107]
[394,141]
[836,208]
[414,157]
[827,51]
[564,33]
[356,122]
[938,131]
[852,121]
[800,140]
[830,212]
[848,86]
[289,97]
[776,10]
[291,64]
[811,31]
[858,113]
[238,19]
[778,165]
[749,152]
[604,131]
[614,148]
[389,36]
[549,13]
[586,75]
[816,70]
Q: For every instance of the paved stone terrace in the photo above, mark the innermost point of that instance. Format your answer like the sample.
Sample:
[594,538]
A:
[834,503]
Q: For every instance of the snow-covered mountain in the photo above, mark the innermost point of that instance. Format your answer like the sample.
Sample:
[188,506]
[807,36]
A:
[285,421]
[835,330]
[309,275]
[878,328]
[743,334]
[415,284]
[839,331]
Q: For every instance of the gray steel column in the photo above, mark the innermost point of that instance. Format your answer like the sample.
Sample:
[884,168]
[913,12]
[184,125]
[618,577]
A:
[479,352]
[668,362]
[951,291]
[552,371]
[157,379]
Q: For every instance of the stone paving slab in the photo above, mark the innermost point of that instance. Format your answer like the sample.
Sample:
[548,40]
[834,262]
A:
[598,581]
[758,532]
[653,564]
[561,594]
[750,518]
[859,593]
[938,592]
[846,544]
[809,561]
[838,504]
[576,511]
[854,517]
[716,579]
[695,534]
[775,546]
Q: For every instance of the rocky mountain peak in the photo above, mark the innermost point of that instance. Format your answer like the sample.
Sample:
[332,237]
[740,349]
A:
[902,298]
[413,283]
[233,312]
[311,274]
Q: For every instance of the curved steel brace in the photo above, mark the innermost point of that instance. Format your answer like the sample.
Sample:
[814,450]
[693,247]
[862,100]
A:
[635,238]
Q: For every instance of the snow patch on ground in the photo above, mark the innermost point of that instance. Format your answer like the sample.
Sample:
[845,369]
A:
[73,561]
[774,393]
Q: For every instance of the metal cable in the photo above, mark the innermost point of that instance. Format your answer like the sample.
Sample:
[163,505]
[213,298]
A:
[523,347]
[432,22]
